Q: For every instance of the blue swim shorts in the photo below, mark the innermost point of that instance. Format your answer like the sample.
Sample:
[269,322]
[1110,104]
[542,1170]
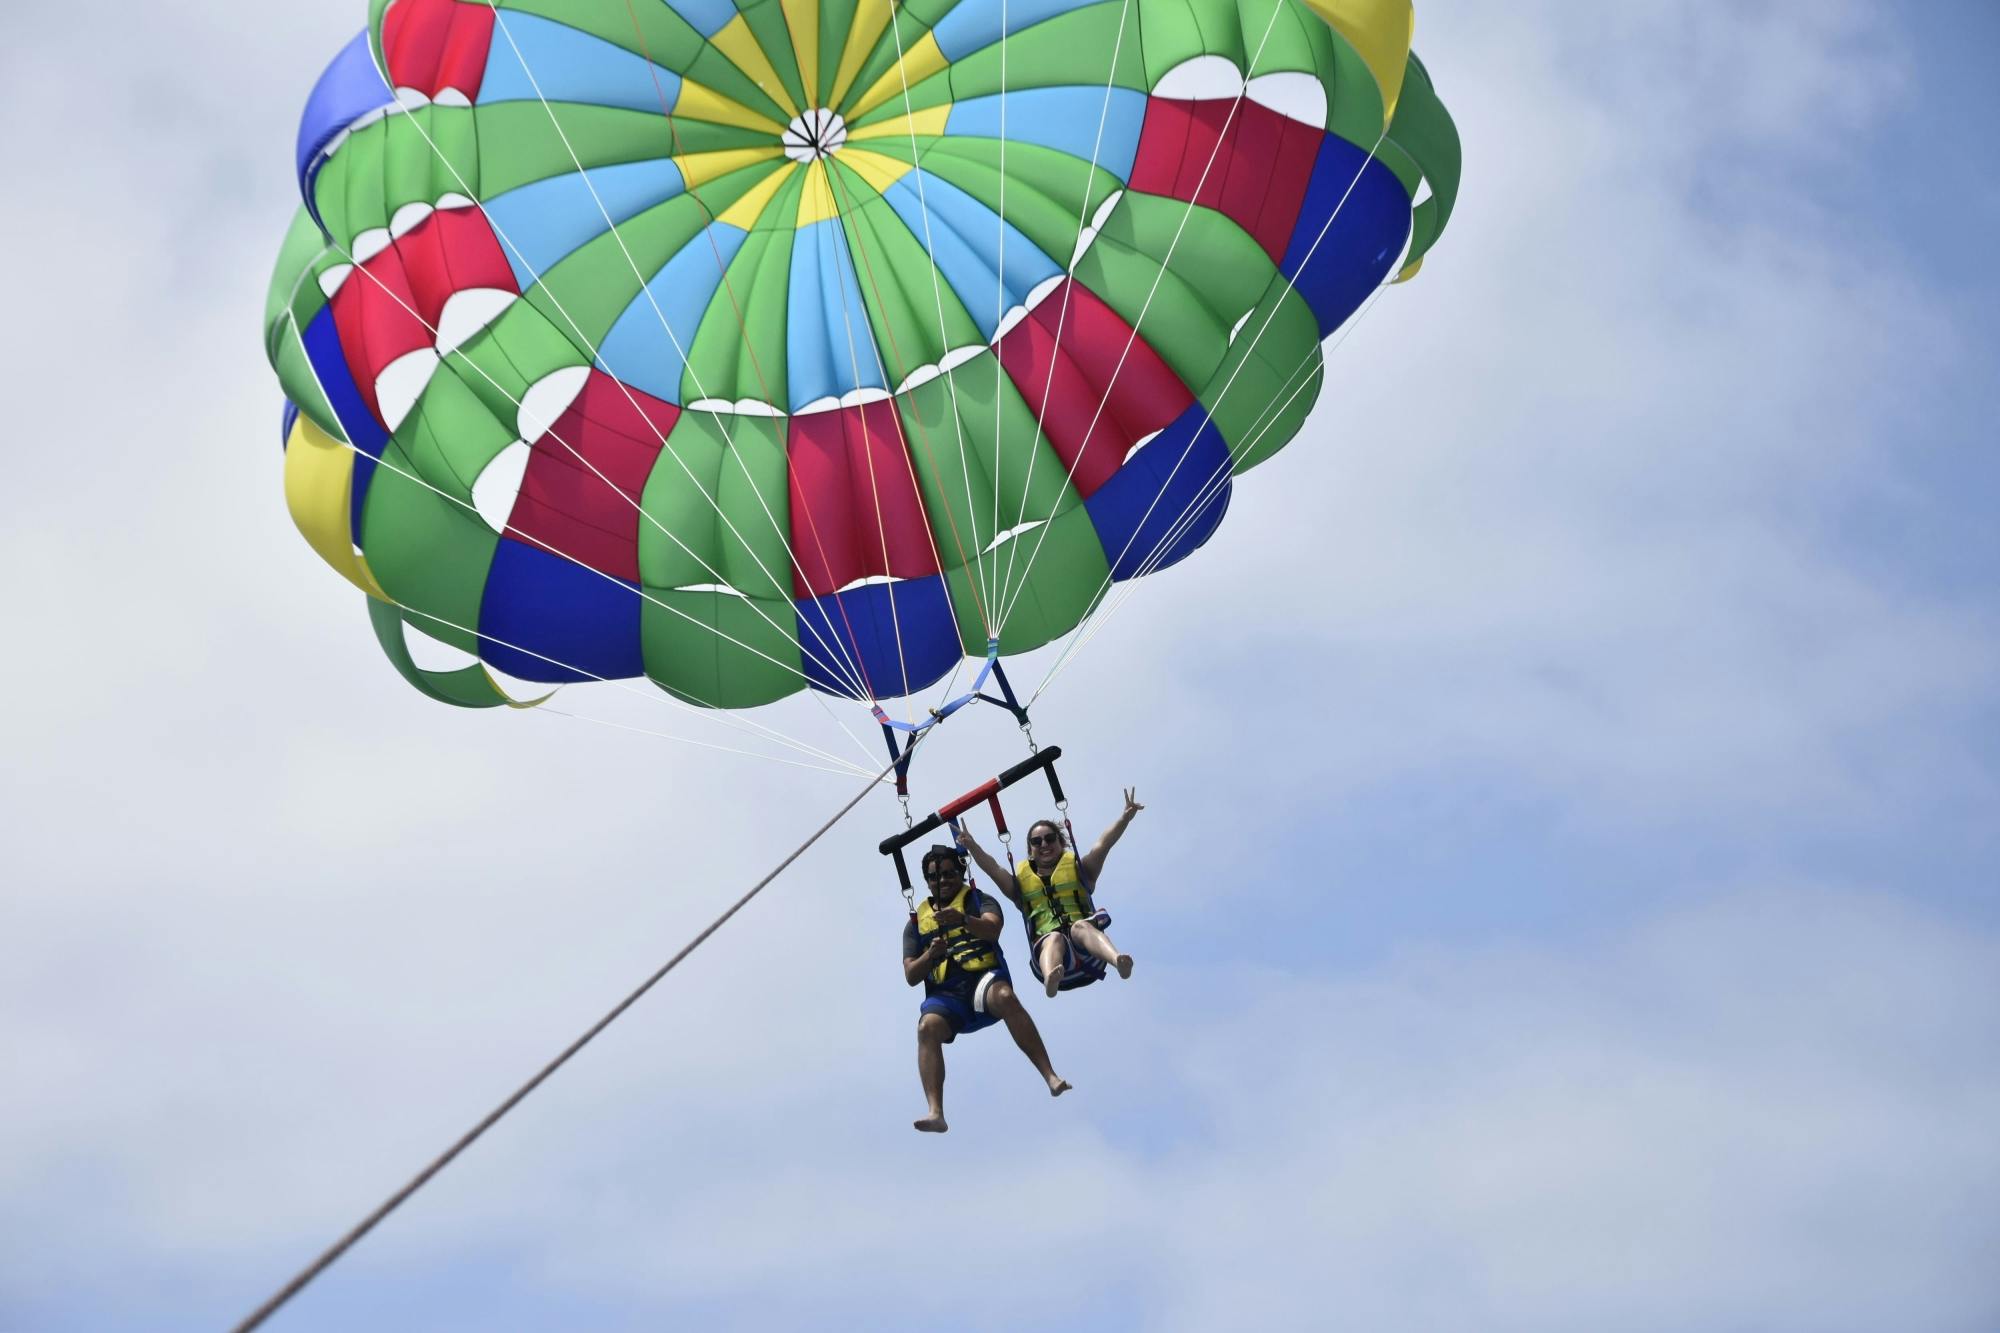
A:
[964,1007]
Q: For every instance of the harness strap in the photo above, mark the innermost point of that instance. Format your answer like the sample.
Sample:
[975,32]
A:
[1065,904]
[962,947]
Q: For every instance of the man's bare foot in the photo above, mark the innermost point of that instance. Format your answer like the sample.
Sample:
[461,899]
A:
[1124,967]
[1050,983]
[1057,1086]
[934,1123]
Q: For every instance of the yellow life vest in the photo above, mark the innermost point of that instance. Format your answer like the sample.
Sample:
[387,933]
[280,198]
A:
[1059,901]
[963,949]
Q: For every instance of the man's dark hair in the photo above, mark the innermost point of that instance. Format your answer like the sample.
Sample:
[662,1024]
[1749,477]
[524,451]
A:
[940,852]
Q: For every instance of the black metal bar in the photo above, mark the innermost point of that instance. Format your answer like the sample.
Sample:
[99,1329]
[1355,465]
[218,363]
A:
[1043,760]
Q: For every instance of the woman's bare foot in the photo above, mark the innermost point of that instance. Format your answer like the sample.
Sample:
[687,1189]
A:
[1124,967]
[1057,1086]
[934,1122]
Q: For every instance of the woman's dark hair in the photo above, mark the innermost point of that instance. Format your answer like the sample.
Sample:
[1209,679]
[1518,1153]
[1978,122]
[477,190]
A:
[1052,826]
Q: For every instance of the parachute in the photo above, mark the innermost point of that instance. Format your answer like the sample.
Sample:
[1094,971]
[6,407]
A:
[753,347]
[818,344]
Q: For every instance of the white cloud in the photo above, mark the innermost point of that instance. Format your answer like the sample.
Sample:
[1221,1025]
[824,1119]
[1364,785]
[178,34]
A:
[1769,1111]
[1567,528]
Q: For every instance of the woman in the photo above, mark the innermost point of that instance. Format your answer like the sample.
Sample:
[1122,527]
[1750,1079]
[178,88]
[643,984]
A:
[1052,887]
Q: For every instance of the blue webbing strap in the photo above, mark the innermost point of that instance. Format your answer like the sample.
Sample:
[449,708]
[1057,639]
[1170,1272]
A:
[899,750]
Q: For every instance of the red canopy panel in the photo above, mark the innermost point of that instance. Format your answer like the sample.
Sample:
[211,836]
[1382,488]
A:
[451,251]
[587,475]
[432,45]
[1137,399]
[376,313]
[1259,174]
[856,512]
[391,304]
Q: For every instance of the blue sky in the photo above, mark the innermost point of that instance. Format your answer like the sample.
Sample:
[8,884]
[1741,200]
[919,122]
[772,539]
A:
[1567,893]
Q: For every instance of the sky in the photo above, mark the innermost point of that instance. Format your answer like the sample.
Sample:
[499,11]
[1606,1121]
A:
[1566,897]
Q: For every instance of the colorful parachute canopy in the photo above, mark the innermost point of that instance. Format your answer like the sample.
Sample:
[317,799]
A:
[756,346]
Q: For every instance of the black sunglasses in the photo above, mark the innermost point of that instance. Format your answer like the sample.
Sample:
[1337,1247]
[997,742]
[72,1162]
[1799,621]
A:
[1044,839]
[937,876]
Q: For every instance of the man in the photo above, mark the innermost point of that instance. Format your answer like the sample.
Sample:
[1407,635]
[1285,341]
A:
[952,946]
[1053,888]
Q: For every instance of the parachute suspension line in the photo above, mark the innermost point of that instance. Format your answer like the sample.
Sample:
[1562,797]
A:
[719,713]
[1299,380]
[844,668]
[847,769]
[757,367]
[1041,537]
[749,345]
[1212,486]
[868,454]
[1301,374]
[957,669]
[664,695]
[1055,346]
[367,1224]
[1000,298]
[923,432]
[944,695]
[553,434]
[1209,489]
[846,211]
[859,675]
[937,291]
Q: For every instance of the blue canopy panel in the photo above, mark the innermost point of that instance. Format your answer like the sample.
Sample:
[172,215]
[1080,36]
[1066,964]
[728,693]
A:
[829,350]
[540,609]
[647,348]
[350,89]
[1354,255]
[707,17]
[535,59]
[1101,124]
[1166,500]
[862,617]
[963,236]
[328,360]
[540,224]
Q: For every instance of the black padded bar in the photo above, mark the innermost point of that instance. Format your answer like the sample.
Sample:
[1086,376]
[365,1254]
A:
[1041,759]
